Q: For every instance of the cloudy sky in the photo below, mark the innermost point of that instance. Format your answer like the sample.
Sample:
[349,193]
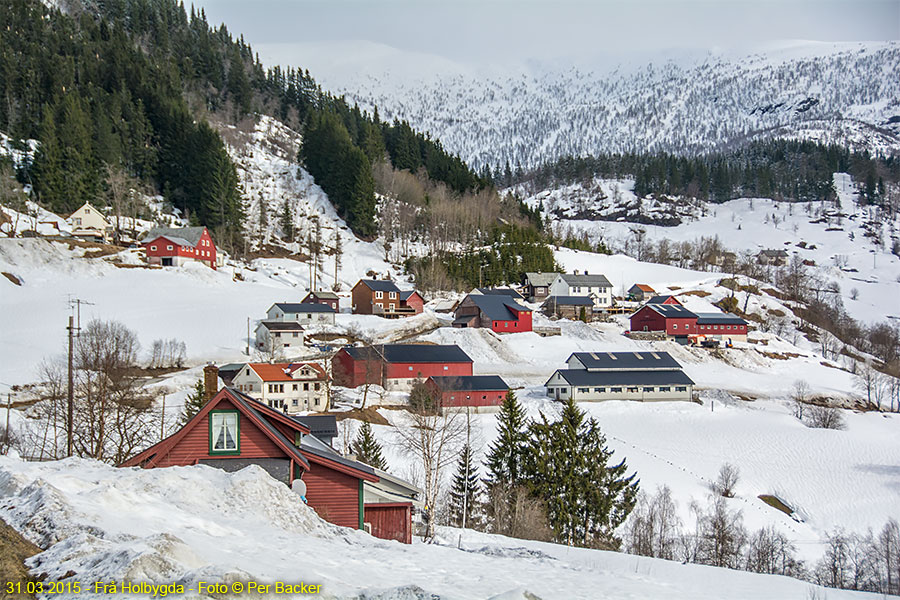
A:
[470,31]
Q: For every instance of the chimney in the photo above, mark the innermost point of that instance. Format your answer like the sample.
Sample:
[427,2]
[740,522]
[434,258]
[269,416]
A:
[210,381]
[575,271]
[585,272]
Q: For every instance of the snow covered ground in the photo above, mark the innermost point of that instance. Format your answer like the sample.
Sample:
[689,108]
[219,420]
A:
[193,524]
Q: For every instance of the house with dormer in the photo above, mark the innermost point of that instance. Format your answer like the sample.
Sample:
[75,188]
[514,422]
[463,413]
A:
[287,387]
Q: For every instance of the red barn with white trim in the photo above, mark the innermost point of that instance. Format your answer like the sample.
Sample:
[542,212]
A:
[173,247]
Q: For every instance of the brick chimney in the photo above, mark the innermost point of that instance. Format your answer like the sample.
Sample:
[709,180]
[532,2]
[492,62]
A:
[210,381]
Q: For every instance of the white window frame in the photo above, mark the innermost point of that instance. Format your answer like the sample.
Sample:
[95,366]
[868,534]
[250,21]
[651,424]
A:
[224,421]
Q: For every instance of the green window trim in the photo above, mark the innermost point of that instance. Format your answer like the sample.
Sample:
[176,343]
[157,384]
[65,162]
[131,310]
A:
[362,506]
[209,419]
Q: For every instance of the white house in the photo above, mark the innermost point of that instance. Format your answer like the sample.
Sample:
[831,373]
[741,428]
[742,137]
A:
[275,336]
[89,223]
[596,287]
[306,313]
[640,376]
[289,387]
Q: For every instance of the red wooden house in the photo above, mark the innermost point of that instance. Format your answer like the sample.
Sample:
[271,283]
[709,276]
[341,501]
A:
[468,390]
[172,247]
[320,297]
[674,320]
[233,431]
[397,364]
[384,298]
[500,313]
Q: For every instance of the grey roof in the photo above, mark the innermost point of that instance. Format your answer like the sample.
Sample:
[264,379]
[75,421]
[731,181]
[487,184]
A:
[282,325]
[379,285]
[626,361]
[313,445]
[232,367]
[319,425]
[775,253]
[587,280]
[671,311]
[183,236]
[303,307]
[325,295]
[416,353]
[568,301]
[500,292]
[364,353]
[660,299]
[405,295]
[540,279]
[497,308]
[719,319]
[578,377]
[471,383]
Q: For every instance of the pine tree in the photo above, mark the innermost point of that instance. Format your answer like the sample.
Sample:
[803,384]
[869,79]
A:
[287,221]
[567,468]
[505,458]
[465,492]
[338,256]
[367,449]
[193,403]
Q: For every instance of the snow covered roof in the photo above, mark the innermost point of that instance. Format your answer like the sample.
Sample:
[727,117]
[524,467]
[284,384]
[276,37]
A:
[590,378]
[183,236]
[303,307]
[469,383]
[626,361]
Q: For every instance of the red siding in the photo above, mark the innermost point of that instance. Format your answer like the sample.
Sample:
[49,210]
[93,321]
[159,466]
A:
[681,326]
[352,373]
[194,445]
[523,323]
[161,244]
[362,298]
[415,301]
[390,520]
[334,495]
[425,370]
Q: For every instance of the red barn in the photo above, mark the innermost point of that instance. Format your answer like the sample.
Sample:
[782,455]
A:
[674,320]
[500,313]
[397,364]
[172,247]
[471,390]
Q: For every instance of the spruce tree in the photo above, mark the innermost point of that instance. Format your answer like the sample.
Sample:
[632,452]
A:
[193,403]
[287,221]
[506,455]
[465,492]
[367,449]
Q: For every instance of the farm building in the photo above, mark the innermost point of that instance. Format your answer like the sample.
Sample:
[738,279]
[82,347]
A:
[173,247]
[641,376]
[569,307]
[675,320]
[722,326]
[233,431]
[305,313]
[640,292]
[468,390]
[667,299]
[288,387]
[596,287]
[319,297]
[384,298]
[397,365]
[500,313]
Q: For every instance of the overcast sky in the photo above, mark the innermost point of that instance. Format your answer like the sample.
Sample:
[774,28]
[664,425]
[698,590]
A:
[497,30]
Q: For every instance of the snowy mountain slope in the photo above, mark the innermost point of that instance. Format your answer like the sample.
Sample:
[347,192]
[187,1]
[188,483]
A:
[849,245]
[160,526]
[528,114]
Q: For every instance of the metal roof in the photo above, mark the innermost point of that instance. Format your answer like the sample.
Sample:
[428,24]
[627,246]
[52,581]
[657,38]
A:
[540,279]
[719,319]
[379,285]
[499,292]
[281,325]
[497,308]
[672,311]
[316,447]
[626,361]
[568,301]
[303,307]
[582,377]
[661,299]
[319,425]
[586,280]
[183,236]
[420,353]
[325,295]
[405,295]
[470,383]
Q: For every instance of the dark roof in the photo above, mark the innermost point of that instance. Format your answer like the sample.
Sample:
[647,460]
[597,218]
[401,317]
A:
[660,299]
[379,285]
[324,295]
[586,279]
[250,404]
[672,311]
[303,307]
[463,319]
[626,361]
[405,295]
[282,325]
[470,383]
[568,301]
[588,378]
[497,308]
[232,367]
[422,353]
[719,319]
[363,353]
[316,447]
[319,425]
[501,292]
[191,235]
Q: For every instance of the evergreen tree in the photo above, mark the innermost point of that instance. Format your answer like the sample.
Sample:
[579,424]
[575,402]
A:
[367,449]
[287,221]
[567,468]
[506,456]
[194,402]
[465,492]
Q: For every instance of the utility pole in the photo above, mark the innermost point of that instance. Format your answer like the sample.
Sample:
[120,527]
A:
[468,459]
[8,408]
[248,336]
[70,414]
[162,422]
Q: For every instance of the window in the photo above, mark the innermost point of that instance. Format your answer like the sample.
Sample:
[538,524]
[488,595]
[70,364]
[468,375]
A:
[379,294]
[317,401]
[446,367]
[294,334]
[665,389]
[648,389]
[584,390]
[317,386]
[506,324]
[153,248]
[224,432]
[168,247]
[615,390]
[379,305]
[295,387]
[294,402]
[599,390]
[277,334]
[675,326]
[680,388]
[410,368]
[78,220]
[484,397]
[392,295]
[632,390]
[305,387]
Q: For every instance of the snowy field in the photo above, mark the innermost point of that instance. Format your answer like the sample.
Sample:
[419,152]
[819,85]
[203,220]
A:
[192,524]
